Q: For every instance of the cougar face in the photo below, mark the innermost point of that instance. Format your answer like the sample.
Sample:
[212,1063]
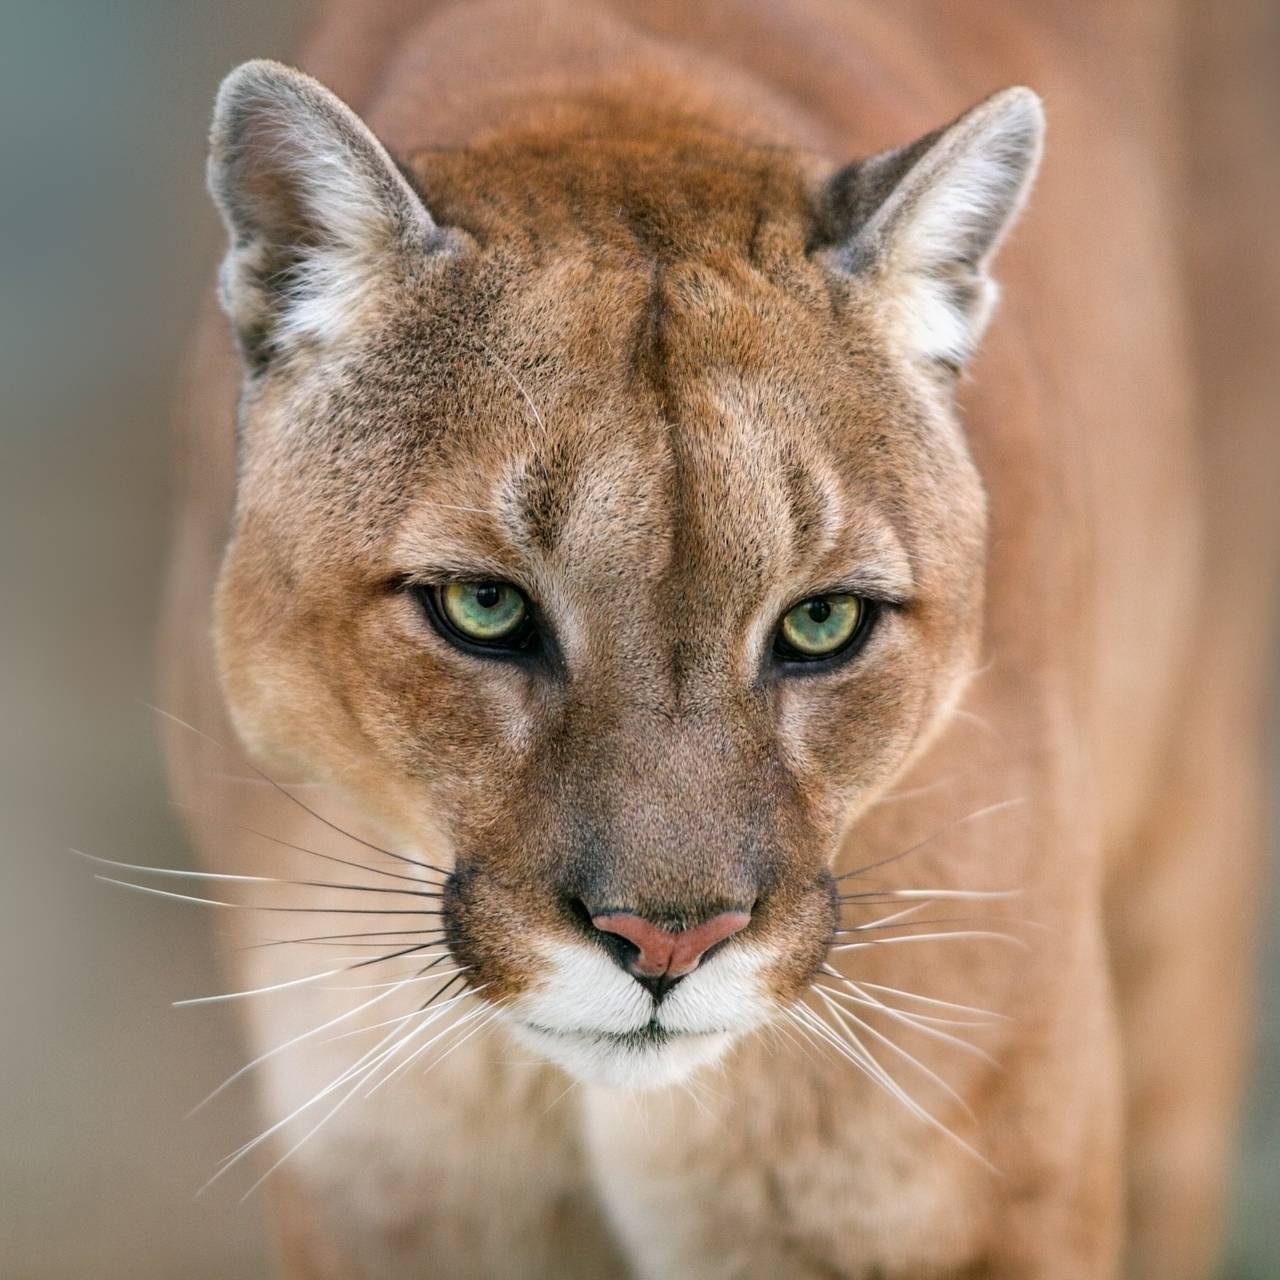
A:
[607,526]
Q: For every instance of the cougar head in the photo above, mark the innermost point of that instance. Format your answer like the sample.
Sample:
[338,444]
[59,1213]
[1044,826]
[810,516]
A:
[604,520]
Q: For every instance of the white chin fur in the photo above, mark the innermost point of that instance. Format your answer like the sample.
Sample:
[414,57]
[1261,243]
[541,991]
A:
[590,1018]
[609,1061]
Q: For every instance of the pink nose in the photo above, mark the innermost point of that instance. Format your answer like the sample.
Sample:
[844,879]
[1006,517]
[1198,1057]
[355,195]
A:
[664,954]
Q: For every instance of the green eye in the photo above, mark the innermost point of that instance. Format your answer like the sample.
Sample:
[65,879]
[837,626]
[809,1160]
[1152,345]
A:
[485,612]
[820,626]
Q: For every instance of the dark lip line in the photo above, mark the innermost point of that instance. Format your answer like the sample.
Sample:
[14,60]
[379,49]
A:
[650,1035]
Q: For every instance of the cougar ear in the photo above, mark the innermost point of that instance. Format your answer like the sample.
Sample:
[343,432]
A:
[315,208]
[923,222]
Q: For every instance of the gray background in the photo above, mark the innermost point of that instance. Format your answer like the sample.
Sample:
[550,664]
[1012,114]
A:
[106,246]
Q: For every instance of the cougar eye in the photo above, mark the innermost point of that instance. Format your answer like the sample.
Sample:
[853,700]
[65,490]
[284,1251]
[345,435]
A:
[820,627]
[484,613]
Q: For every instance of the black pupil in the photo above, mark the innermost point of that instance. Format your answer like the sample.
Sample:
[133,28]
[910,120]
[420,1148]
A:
[488,595]
[819,610]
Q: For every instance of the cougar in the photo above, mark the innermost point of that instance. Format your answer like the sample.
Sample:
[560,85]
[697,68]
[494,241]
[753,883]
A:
[750,750]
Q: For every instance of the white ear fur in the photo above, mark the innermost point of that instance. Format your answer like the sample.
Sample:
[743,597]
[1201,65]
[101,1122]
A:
[315,207]
[929,217]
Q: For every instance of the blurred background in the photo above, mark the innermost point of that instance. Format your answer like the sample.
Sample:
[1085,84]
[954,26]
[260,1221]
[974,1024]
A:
[107,247]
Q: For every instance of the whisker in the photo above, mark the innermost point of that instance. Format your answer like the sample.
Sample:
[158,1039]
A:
[315,977]
[969,817]
[889,919]
[911,995]
[988,934]
[975,895]
[262,782]
[560,1097]
[978,672]
[842,1014]
[469,1016]
[936,1033]
[346,1097]
[182,873]
[344,937]
[161,893]
[872,925]
[960,714]
[288,1044]
[431,939]
[363,888]
[244,906]
[258,991]
[452,982]
[873,898]
[878,1073]
[361,1067]
[422,977]
[300,848]
[687,1089]
[913,793]
[372,1026]
[911,1019]
[785,1031]
[414,949]
[907,1014]
[364,1076]
[360,1077]
[852,1051]
[288,795]
[172,871]
[430,1020]
[704,1085]
[856,1052]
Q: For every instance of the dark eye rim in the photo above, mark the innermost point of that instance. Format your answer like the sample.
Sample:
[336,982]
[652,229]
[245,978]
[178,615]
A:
[786,658]
[521,642]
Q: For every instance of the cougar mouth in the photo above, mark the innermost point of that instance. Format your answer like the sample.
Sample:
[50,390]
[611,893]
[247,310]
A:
[650,1057]
[651,1036]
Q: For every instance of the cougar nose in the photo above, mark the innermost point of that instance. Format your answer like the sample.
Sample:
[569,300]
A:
[662,957]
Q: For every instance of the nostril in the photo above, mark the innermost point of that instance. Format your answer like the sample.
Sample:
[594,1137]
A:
[664,954]
[693,944]
[653,944]
[623,953]
[580,912]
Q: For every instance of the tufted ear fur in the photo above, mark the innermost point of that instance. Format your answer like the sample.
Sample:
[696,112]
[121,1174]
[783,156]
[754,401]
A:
[923,221]
[315,207]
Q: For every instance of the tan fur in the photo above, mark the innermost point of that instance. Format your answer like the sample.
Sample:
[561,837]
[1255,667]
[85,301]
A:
[620,337]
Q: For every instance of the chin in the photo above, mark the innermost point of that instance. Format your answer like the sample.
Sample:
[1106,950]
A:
[650,1058]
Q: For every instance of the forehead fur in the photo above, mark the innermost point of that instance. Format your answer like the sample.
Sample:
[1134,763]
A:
[630,356]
